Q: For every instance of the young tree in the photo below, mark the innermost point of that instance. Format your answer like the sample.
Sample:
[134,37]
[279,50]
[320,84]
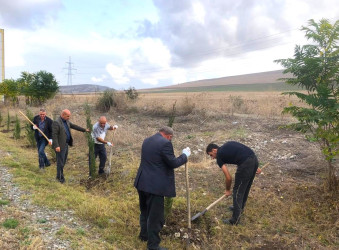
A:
[17,128]
[25,82]
[29,131]
[90,142]
[315,68]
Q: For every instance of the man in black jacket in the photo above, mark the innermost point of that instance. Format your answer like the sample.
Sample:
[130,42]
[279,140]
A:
[154,180]
[233,152]
[44,123]
[62,138]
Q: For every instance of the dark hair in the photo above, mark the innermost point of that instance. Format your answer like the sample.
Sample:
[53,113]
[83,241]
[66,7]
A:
[166,130]
[210,147]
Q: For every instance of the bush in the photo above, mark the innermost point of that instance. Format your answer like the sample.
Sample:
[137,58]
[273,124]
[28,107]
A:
[131,93]
[106,101]
[236,103]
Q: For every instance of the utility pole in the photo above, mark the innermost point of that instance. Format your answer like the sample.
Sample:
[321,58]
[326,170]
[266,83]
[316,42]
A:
[2,54]
[69,72]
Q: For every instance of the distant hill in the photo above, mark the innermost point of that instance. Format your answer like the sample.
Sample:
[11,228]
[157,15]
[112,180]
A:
[258,80]
[82,88]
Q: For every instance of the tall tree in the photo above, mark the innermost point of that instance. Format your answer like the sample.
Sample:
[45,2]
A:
[43,87]
[10,89]
[315,68]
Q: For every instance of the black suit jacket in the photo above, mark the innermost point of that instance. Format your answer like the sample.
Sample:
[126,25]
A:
[59,134]
[48,127]
[156,171]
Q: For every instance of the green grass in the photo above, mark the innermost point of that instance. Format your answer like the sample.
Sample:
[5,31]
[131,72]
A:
[10,223]
[4,202]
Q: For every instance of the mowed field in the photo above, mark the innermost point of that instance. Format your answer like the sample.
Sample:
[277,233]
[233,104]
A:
[288,206]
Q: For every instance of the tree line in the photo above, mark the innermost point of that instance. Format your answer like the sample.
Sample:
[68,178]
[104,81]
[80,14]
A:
[36,87]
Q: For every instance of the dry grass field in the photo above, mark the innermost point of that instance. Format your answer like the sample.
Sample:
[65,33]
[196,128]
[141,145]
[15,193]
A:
[288,206]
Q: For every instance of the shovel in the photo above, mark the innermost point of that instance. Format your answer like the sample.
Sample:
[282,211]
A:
[108,171]
[209,207]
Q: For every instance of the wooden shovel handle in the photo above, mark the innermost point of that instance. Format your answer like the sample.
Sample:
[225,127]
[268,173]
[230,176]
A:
[34,125]
[215,202]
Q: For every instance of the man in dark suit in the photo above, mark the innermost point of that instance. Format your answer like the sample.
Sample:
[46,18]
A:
[62,137]
[44,123]
[154,180]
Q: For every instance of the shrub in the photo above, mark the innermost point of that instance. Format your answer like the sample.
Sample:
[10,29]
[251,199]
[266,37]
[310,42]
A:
[236,103]
[131,93]
[106,101]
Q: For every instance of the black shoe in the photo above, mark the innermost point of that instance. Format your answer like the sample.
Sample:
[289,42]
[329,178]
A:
[47,164]
[159,248]
[229,222]
[142,238]
[231,208]
[61,180]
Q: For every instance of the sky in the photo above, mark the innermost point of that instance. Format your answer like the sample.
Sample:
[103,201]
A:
[146,44]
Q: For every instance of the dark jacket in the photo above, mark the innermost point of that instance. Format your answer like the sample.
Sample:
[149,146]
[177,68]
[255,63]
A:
[47,129]
[59,134]
[156,170]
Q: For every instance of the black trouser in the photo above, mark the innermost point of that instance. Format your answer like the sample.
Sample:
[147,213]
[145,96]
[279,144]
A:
[151,218]
[244,177]
[99,149]
[61,158]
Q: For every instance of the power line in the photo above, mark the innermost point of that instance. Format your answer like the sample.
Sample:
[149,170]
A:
[69,72]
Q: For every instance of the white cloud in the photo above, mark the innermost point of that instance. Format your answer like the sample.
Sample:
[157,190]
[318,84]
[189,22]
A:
[119,74]
[98,79]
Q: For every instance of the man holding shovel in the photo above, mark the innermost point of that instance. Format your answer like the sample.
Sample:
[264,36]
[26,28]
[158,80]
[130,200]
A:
[154,180]
[98,134]
[247,166]
[44,123]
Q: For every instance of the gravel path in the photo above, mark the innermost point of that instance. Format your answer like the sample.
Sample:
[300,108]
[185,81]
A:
[39,227]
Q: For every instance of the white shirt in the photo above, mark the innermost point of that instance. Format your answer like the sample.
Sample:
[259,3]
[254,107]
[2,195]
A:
[99,132]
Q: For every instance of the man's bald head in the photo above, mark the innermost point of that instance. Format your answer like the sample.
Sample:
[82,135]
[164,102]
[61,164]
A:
[65,114]
[102,121]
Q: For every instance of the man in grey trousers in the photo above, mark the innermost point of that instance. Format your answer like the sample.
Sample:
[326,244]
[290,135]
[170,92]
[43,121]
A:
[62,138]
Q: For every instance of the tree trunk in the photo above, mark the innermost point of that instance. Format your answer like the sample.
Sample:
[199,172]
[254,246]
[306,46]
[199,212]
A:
[332,179]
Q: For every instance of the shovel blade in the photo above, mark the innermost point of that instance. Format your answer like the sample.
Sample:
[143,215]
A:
[198,215]
[195,216]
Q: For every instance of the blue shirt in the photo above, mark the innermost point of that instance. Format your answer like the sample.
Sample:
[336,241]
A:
[68,133]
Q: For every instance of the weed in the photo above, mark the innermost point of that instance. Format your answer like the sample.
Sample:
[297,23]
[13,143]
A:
[42,221]
[4,202]
[10,223]
[61,231]
[81,231]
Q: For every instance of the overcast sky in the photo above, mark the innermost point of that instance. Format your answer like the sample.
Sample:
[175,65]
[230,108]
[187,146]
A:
[144,43]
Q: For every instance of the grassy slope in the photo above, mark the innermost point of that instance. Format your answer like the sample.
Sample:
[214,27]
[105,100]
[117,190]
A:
[303,218]
[257,87]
